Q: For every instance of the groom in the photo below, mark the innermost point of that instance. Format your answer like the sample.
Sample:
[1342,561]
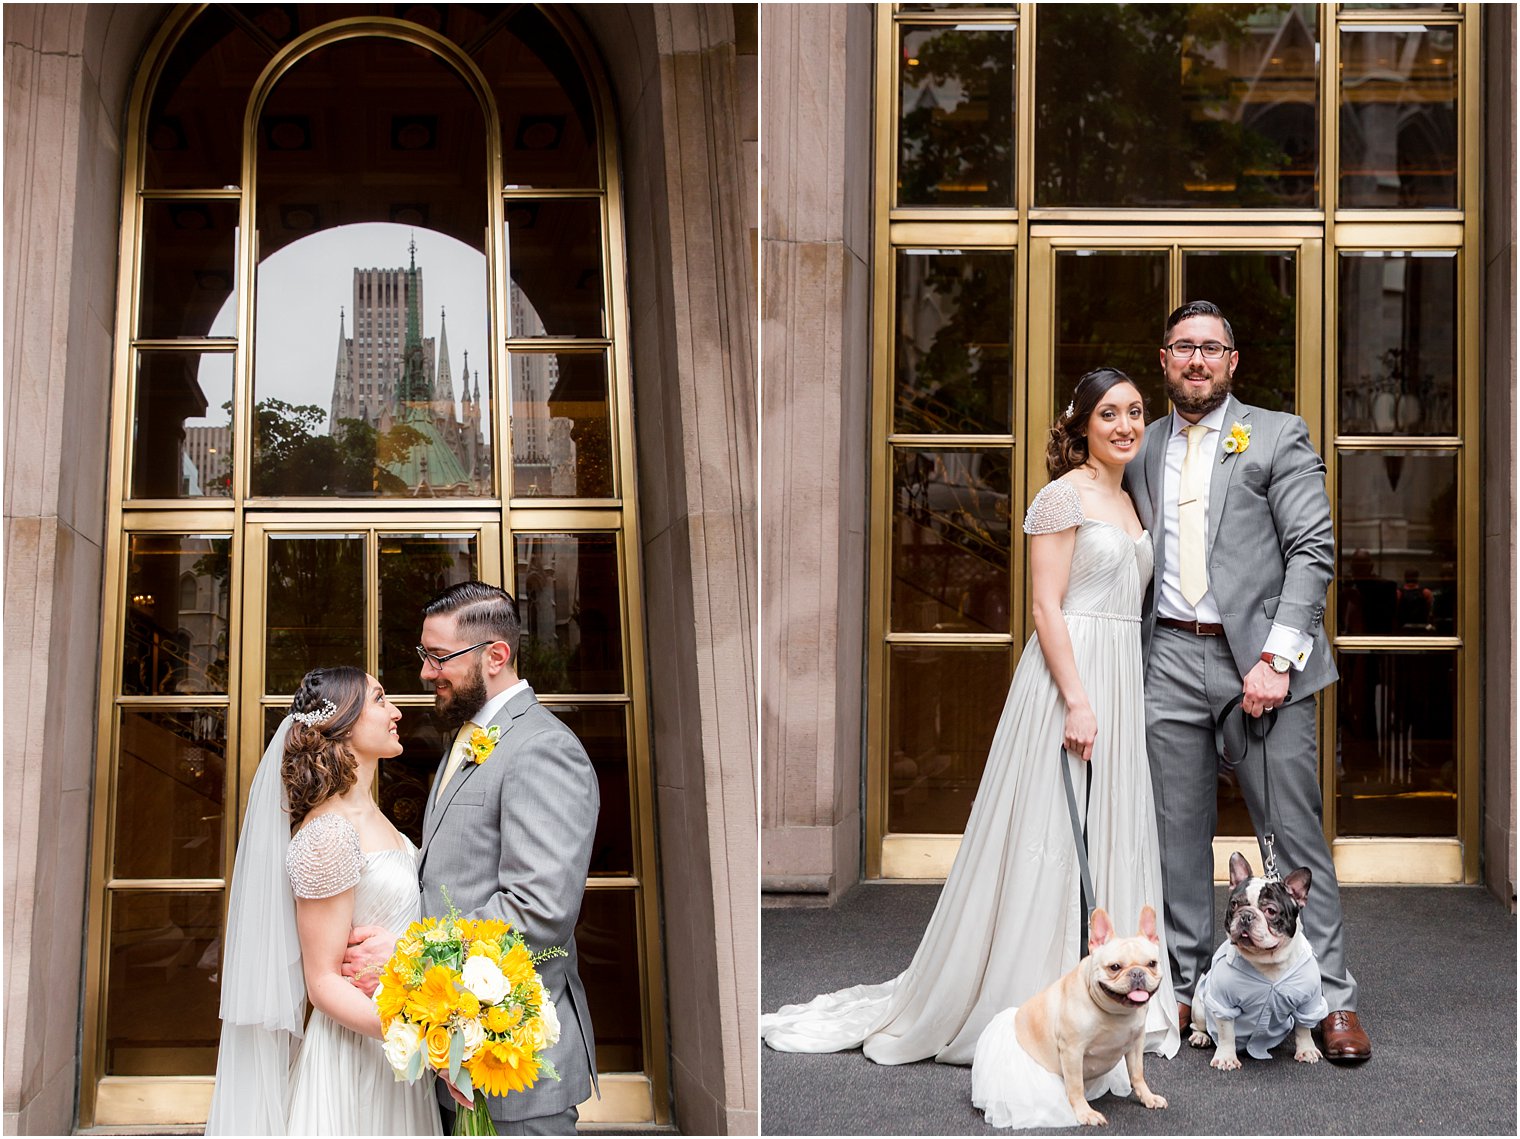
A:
[508,837]
[1245,550]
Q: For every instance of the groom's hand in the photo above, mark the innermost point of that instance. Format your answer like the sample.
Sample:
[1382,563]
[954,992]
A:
[369,948]
[1263,689]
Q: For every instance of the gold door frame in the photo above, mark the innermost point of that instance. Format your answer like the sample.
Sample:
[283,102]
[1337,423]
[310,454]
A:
[1034,235]
[625,1097]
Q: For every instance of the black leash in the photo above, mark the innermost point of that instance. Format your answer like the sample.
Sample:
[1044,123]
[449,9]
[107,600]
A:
[1079,836]
[1268,721]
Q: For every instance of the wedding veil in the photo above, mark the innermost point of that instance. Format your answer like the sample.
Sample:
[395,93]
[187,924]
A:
[263,989]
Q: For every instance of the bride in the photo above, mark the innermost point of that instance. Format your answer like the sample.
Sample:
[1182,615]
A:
[1009,918]
[316,858]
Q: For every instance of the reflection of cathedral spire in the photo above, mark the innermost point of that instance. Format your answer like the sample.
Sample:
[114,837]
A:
[400,382]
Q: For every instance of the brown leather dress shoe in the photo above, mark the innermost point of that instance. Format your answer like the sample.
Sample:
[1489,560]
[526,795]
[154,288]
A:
[1345,1039]
[1185,1018]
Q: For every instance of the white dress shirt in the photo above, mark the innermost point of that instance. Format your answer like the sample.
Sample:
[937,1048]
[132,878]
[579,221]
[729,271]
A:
[1283,640]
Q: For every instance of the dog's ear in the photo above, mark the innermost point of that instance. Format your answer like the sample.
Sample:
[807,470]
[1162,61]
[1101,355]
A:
[1298,884]
[1240,870]
[1148,924]
[1100,929]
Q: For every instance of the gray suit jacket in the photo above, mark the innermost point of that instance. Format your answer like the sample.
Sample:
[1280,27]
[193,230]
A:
[512,840]
[1269,543]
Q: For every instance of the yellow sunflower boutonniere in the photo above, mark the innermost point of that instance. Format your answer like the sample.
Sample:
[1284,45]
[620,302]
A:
[1238,439]
[483,742]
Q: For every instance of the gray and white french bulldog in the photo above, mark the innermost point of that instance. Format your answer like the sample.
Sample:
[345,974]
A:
[1264,980]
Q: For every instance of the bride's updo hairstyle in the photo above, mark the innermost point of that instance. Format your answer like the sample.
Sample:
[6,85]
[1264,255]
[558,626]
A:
[318,763]
[1067,448]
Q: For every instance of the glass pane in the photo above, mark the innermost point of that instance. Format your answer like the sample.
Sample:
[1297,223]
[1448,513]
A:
[561,433]
[315,606]
[188,277]
[169,793]
[604,732]
[1398,543]
[182,425]
[954,342]
[1399,137]
[363,379]
[1396,753]
[175,642]
[414,569]
[1398,343]
[406,779]
[1110,307]
[162,991]
[955,139]
[548,119]
[1258,292]
[944,707]
[950,540]
[195,126]
[571,613]
[554,255]
[1198,104]
[605,940]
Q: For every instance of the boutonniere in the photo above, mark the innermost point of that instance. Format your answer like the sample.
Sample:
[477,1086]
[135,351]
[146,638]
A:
[1238,439]
[483,743]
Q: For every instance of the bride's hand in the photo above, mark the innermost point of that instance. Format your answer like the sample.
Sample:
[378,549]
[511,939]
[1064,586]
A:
[456,1093]
[1080,731]
[369,948]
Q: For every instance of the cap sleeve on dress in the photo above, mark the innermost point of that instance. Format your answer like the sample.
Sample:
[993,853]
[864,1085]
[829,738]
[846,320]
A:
[1057,507]
[324,858]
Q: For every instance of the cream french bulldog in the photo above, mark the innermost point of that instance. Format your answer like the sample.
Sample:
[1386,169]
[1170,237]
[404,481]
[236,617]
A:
[1264,980]
[1080,1025]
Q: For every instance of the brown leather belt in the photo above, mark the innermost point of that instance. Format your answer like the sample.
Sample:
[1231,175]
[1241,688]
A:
[1197,628]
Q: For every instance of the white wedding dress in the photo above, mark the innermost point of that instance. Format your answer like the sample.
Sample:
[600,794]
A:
[342,1083]
[1009,918]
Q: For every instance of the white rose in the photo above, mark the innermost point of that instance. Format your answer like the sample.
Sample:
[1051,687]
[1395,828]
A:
[549,1018]
[474,1036]
[402,1040]
[484,978]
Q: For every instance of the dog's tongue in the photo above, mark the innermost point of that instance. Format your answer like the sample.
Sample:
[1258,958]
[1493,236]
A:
[1139,996]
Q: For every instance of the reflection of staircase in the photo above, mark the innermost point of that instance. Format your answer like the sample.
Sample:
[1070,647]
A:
[927,414]
[159,658]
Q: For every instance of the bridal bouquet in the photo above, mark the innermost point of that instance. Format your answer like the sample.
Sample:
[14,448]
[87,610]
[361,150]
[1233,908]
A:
[464,999]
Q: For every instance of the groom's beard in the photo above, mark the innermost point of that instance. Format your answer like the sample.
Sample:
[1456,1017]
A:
[458,703]
[1185,401]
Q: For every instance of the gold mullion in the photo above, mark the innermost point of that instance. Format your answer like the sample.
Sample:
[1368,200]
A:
[1470,470]
[218,194]
[950,640]
[1400,443]
[951,442]
[1104,215]
[566,193]
[164,885]
[970,13]
[1398,644]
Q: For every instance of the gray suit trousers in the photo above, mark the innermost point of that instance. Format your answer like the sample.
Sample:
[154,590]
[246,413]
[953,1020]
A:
[1188,681]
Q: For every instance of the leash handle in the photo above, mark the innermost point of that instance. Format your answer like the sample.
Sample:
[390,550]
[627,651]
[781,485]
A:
[1268,722]
[1079,837]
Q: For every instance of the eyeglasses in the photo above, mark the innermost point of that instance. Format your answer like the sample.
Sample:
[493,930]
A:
[1211,349]
[439,661]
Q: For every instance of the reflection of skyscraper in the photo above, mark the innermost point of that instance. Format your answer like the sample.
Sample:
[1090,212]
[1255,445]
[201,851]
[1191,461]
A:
[209,450]
[543,452]
[389,376]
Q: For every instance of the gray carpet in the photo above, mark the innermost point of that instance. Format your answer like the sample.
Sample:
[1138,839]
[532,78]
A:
[1437,970]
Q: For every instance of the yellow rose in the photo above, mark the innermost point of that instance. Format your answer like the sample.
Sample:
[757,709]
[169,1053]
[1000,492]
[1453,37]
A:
[437,1041]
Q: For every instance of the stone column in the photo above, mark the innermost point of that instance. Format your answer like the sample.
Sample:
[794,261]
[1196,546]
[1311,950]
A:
[816,346]
[1498,382]
[684,80]
[66,71]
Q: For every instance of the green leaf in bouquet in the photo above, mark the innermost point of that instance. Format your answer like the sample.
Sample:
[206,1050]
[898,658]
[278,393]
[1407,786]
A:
[456,1054]
[414,1066]
[465,1084]
[545,1068]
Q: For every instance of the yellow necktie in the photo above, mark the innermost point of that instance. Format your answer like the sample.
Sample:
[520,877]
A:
[1192,574]
[456,757]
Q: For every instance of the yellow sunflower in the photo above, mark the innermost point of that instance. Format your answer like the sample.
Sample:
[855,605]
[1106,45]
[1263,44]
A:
[503,1018]
[433,1000]
[517,965]
[501,1066]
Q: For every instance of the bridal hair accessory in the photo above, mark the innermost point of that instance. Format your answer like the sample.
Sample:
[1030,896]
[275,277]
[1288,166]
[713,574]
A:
[1071,406]
[320,716]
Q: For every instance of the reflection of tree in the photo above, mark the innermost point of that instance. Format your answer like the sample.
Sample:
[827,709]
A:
[1112,128]
[962,382]
[950,154]
[1256,291]
[545,663]
[412,573]
[293,454]
[315,607]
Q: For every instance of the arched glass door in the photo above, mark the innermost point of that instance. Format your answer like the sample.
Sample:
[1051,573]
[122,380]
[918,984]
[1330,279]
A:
[373,342]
